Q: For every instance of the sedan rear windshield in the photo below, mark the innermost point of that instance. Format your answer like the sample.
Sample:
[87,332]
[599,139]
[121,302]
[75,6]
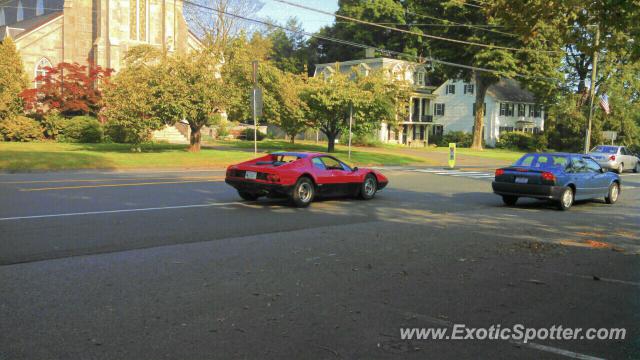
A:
[606,149]
[543,161]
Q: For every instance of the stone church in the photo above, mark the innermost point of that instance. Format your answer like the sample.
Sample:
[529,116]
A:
[47,32]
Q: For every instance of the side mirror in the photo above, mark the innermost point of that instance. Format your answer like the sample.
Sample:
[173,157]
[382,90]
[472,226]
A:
[355,169]
[603,170]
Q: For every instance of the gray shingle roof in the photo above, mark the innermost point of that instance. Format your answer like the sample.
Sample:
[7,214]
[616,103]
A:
[21,28]
[510,90]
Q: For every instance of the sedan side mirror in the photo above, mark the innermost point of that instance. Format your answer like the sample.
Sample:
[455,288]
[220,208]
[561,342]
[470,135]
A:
[603,170]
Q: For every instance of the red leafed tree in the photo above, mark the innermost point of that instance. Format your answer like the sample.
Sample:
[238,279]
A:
[72,89]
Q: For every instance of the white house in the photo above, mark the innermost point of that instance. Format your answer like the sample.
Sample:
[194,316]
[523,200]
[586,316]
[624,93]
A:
[508,107]
[417,126]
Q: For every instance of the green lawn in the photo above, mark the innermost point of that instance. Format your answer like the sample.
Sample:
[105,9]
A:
[498,154]
[51,156]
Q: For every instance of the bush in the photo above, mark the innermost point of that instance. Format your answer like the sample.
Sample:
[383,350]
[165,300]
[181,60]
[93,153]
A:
[52,124]
[369,140]
[82,129]
[20,128]
[248,134]
[461,138]
[516,140]
[116,133]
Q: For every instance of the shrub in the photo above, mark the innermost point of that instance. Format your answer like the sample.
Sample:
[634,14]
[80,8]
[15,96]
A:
[461,138]
[117,133]
[52,124]
[369,140]
[20,128]
[517,140]
[248,134]
[82,129]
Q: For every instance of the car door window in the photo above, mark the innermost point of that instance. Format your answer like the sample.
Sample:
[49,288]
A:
[331,163]
[592,166]
[623,151]
[317,163]
[578,165]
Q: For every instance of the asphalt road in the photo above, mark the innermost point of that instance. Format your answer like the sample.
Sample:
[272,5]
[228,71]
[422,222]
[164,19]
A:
[172,265]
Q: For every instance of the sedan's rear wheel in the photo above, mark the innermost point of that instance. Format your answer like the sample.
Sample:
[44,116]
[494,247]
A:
[247,196]
[369,187]
[303,192]
[620,168]
[509,200]
[614,193]
[637,168]
[566,200]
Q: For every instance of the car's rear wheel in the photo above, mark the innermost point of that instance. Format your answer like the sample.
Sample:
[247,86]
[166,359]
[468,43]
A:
[620,168]
[303,192]
[637,168]
[566,200]
[248,196]
[369,187]
[614,193]
[509,200]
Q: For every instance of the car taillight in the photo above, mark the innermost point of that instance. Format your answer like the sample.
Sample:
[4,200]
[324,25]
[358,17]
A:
[548,176]
[612,158]
[273,178]
[499,172]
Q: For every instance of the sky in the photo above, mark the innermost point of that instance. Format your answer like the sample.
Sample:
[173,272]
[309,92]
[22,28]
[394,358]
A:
[311,21]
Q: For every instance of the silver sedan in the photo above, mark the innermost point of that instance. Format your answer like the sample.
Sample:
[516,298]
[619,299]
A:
[616,158]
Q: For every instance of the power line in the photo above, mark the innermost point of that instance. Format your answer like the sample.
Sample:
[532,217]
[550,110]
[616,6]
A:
[363,46]
[473,26]
[413,32]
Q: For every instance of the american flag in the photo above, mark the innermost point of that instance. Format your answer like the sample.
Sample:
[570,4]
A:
[604,103]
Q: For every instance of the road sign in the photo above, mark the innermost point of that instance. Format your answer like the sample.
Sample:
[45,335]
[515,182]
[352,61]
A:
[257,92]
[452,155]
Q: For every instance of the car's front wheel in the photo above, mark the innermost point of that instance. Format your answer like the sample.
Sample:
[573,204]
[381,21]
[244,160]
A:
[614,193]
[303,192]
[566,200]
[248,196]
[369,187]
[509,200]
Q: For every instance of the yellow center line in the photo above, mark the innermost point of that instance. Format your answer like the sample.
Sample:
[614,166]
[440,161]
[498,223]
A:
[107,179]
[120,185]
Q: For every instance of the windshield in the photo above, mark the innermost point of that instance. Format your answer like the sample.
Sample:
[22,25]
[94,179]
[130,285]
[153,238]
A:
[606,149]
[543,161]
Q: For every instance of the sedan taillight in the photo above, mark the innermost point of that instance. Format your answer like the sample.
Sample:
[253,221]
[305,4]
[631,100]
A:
[612,158]
[547,176]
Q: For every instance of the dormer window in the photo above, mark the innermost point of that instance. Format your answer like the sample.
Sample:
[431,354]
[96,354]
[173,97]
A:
[39,7]
[20,12]
[3,20]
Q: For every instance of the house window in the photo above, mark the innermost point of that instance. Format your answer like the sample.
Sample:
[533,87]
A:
[450,89]
[438,109]
[484,112]
[20,12]
[420,78]
[537,111]
[39,7]
[507,109]
[505,129]
[3,20]
[41,70]
[138,12]
[468,89]
[522,110]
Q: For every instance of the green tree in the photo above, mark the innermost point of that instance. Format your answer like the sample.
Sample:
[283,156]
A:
[12,80]
[289,110]
[289,49]
[333,100]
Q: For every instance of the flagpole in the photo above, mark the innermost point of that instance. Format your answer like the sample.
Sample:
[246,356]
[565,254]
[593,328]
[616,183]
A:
[587,140]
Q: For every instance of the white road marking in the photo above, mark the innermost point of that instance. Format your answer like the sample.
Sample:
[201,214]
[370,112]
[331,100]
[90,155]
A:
[120,211]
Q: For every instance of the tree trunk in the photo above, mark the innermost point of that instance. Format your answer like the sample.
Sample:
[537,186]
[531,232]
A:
[478,124]
[194,141]
[293,139]
[331,138]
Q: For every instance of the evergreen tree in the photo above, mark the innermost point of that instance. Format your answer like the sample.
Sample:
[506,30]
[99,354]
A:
[12,80]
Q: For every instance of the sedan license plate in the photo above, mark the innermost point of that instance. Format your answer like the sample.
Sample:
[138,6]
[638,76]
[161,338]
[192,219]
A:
[250,175]
[521,180]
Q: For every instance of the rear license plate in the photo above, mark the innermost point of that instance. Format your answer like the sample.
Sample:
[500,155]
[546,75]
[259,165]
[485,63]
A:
[521,180]
[250,175]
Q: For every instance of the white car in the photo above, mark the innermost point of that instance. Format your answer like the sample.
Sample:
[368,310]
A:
[616,158]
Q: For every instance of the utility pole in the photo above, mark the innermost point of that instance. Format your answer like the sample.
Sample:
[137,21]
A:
[350,122]
[587,140]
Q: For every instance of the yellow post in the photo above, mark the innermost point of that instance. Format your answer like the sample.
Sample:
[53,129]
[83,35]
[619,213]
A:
[452,155]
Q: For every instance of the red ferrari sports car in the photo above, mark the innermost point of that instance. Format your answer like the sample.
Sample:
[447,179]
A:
[301,176]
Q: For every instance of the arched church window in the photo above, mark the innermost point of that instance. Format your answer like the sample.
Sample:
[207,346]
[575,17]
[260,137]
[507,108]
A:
[41,70]
[138,15]
[39,7]
[20,12]
[3,20]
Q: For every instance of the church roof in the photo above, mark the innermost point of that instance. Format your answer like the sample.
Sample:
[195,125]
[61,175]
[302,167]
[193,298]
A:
[16,30]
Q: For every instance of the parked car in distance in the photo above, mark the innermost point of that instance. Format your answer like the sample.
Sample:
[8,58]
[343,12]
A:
[616,158]
[559,177]
[301,176]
